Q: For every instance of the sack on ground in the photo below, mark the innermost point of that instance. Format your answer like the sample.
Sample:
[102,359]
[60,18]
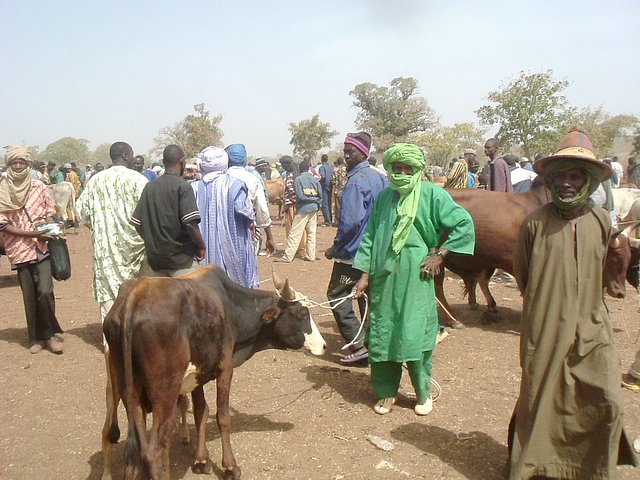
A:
[60,261]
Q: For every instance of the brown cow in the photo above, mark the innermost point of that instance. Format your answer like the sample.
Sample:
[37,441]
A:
[275,193]
[497,218]
[172,335]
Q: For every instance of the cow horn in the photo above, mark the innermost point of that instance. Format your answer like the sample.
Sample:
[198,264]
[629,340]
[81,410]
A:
[277,282]
[614,242]
[287,292]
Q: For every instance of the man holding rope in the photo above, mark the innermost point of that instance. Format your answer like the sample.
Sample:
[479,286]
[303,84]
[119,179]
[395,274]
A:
[364,184]
[399,254]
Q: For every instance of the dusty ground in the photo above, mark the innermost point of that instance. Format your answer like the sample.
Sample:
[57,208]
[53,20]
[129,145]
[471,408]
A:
[294,416]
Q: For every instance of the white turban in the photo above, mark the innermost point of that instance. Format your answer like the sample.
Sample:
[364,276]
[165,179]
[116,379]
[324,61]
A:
[213,159]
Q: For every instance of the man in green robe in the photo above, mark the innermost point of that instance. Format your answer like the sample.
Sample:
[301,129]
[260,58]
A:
[399,255]
[567,421]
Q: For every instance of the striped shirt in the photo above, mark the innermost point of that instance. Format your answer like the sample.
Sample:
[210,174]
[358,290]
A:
[40,207]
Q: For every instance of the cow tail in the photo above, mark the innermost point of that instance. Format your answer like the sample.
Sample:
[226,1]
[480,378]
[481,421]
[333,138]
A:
[132,451]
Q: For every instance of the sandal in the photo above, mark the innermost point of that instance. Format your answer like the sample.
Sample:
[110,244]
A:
[383,406]
[424,408]
[357,356]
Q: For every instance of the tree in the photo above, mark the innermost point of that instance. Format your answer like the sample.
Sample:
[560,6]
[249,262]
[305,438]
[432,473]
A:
[67,149]
[309,136]
[531,111]
[193,133]
[443,143]
[392,114]
[101,154]
[602,129]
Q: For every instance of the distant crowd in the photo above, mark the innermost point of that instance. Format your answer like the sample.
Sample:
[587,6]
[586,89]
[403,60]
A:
[394,232]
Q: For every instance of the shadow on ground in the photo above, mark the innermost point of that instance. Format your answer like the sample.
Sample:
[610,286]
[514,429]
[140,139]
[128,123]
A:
[475,455]
[7,281]
[19,336]
[91,334]
[182,456]
[351,385]
[506,321]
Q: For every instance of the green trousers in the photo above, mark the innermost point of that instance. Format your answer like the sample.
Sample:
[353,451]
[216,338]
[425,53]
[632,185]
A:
[385,377]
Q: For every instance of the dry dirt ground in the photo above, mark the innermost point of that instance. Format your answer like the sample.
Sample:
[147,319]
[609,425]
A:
[294,416]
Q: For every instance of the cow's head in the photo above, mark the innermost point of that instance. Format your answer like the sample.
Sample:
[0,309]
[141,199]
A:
[291,320]
[616,265]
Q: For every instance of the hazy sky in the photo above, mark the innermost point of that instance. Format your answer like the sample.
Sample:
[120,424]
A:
[116,70]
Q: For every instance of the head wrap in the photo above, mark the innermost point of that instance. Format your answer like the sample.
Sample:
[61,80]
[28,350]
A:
[570,205]
[15,187]
[262,165]
[237,155]
[360,140]
[67,165]
[212,161]
[16,152]
[408,186]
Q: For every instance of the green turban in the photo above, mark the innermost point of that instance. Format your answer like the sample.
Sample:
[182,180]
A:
[408,186]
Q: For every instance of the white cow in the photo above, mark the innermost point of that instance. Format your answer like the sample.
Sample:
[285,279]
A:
[623,199]
[64,197]
[631,224]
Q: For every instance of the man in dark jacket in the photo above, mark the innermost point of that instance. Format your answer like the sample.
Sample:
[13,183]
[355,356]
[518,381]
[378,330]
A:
[326,171]
[364,184]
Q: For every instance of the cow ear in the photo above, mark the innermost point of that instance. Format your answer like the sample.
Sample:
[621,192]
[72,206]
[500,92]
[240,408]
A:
[270,314]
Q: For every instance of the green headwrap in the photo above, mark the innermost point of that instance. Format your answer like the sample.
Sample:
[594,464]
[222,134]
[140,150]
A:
[407,185]
[570,205]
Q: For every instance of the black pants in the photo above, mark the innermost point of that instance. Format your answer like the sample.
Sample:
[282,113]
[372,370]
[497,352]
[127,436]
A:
[36,283]
[343,279]
[326,206]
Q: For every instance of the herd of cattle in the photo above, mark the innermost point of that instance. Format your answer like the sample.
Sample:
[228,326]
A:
[497,218]
[170,336]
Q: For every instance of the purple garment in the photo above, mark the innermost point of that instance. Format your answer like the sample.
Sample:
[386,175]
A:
[499,176]
[226,214]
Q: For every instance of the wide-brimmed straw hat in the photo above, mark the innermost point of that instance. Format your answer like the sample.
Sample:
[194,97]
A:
[577,146]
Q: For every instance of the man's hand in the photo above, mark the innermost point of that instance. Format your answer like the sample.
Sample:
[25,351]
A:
[44,236]
[270,246]
[361,285]
[432,265]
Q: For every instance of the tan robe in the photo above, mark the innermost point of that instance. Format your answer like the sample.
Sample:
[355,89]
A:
[568,418]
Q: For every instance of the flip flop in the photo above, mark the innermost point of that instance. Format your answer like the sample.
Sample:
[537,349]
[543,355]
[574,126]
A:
[355,357]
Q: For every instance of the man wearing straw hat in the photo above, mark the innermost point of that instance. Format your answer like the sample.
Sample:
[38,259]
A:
[567,422]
